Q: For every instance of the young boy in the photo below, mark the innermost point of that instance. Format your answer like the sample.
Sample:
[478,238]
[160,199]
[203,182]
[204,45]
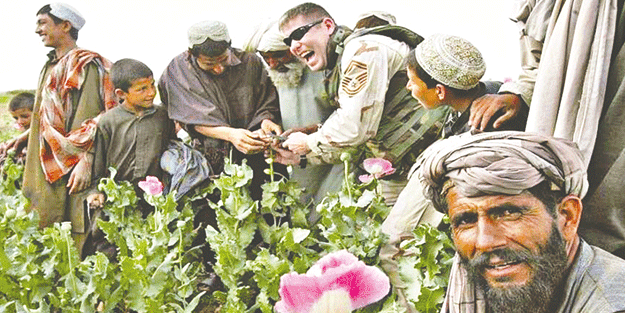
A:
[21,108]
[446,70]
[132,136]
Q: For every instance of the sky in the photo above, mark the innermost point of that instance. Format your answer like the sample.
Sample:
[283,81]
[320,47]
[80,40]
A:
[155,31]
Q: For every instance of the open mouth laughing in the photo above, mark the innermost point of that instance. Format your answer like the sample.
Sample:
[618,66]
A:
[307,55]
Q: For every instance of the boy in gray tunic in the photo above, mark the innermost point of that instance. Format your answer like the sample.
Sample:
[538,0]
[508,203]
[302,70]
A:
[130,138]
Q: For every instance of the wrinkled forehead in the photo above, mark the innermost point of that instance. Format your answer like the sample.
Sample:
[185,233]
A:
[459,204]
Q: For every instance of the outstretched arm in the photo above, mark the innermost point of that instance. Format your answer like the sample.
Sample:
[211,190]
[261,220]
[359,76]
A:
[243,140]
[485,107]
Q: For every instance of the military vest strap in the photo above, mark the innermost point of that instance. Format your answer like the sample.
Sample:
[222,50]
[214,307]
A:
[406,128]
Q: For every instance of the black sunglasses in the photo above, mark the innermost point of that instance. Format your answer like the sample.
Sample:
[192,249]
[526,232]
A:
[300,32]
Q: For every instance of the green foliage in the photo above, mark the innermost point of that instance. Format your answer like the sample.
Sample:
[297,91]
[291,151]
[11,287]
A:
[350,219]
[40,270]
[154,272]
[427,273]
[156,269]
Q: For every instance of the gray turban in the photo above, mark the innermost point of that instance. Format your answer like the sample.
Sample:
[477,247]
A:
[451,60]
[66,12]
[501,163]
[213,30]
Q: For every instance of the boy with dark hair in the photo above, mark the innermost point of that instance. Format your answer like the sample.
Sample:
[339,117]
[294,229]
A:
[131,137]
[445,70]
[21,108]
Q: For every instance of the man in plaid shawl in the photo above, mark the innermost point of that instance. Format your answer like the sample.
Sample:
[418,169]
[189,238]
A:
[74,88]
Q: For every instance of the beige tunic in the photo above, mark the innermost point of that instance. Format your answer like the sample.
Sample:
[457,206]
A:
[367,66]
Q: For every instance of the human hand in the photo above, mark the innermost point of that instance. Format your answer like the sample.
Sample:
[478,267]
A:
[306,130]
[486,106]
[269,127]
[268,131]
[6,146]
[285,156]
[20,143]
[95,200]
[80,177]
[296,142]
[246,141]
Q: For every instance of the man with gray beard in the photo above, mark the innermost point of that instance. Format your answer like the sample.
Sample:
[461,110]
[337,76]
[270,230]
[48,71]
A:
[285,75]
[299,89]
[514,201]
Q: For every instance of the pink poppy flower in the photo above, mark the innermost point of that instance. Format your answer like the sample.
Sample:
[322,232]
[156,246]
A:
[337,270]
[151,185]
[377,168]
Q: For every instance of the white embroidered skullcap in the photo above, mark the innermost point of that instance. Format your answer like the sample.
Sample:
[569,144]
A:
[66,12]
[390,18]
[215,30]
[451,60]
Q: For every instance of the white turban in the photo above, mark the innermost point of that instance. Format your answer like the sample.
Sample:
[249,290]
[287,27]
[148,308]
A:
[272,40]
[215,30]
[266,37]
[66,12]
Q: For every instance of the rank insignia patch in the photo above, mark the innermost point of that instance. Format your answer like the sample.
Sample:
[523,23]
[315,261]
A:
[354,78]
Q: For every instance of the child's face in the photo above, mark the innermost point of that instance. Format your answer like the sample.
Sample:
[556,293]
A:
[427,97]
[141,94]
[22,118]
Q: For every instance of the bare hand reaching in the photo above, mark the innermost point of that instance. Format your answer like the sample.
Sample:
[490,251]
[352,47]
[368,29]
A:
[246,141]
[486,106]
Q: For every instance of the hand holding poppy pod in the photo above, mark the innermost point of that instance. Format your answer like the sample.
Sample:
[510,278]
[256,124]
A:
[338,282]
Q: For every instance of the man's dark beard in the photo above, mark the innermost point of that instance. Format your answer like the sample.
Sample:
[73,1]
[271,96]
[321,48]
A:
[548,267]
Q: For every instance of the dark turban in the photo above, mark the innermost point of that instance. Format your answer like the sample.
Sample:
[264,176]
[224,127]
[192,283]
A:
[501,163]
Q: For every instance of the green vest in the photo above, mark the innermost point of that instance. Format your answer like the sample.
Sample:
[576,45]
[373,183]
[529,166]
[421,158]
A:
[406,128]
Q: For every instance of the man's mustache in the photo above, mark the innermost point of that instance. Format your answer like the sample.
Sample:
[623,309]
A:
[505,255]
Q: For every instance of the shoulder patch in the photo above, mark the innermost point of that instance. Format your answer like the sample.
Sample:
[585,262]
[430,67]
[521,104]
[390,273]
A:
[354,78]
[363,48]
